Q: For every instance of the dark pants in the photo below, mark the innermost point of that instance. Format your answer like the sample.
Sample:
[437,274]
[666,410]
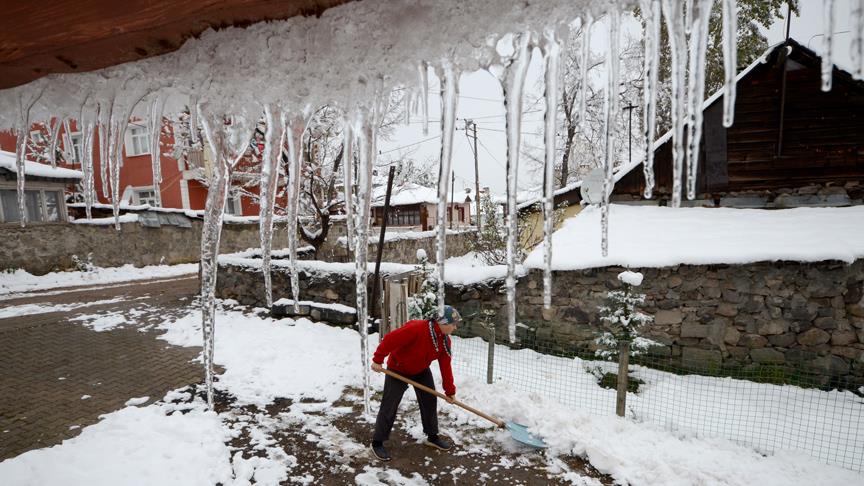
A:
[393,391]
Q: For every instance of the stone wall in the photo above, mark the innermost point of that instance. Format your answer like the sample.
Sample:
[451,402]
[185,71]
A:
[42,248]
[787,314]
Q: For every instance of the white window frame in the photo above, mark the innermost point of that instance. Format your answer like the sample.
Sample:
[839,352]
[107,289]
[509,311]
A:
[70,147]
[136,195]
[235,204]
[37,136]
[136,135]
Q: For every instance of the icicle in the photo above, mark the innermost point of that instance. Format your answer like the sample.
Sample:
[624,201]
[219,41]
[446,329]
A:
[295,140]
[56,123]
[68,150]
[696,88]
[611,115]
[651,14]
[23,132]
[348,178]
[827,60]
[368,150]
[154,123]
[514,82]
[688,16]
[856,46]
[730,59]
[88,129]
[584,59]
[552,59]
[193,121]
[105,109]
[116,138]
[228,142]
[674,19]
[423,70]
[407,102]
[274,140]
[449,81]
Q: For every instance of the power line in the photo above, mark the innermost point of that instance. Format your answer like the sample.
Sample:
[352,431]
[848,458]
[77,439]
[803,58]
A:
[490,153]
[409,145]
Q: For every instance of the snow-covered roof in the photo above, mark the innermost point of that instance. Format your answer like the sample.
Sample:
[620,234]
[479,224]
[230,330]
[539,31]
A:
[657,236]
[405,195]
[35,169]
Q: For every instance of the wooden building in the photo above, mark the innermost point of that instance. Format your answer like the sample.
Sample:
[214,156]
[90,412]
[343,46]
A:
[791,144]
[414,207]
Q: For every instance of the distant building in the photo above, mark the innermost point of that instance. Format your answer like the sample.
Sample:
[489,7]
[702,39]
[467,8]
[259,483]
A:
[414,207]
[44,191]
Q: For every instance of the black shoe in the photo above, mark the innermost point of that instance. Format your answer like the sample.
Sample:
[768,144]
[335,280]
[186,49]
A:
[439,443]
[379,451]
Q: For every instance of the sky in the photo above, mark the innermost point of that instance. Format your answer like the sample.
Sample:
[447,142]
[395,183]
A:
[481,99]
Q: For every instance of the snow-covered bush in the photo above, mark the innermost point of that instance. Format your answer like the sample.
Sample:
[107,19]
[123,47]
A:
[424,304]
[83,265]
[622,319]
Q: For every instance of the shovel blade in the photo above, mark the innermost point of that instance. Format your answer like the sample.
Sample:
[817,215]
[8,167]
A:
[520,433]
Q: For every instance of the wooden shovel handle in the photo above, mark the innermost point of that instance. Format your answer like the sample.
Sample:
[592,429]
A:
[498,422]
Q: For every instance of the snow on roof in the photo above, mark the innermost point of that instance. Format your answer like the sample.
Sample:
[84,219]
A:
[651,236]
[405,195]
[35,169]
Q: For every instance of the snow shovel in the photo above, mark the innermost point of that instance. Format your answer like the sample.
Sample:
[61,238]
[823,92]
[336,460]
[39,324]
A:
[519,432]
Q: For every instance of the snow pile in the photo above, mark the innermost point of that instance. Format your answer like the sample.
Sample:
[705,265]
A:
[132,446]
[631,278]
[266,359]
[35,169]
[648,236]
[21,281]
[109,221]
[319,305]
[396,235]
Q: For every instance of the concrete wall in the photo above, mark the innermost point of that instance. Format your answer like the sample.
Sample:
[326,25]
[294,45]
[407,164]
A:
[786,314]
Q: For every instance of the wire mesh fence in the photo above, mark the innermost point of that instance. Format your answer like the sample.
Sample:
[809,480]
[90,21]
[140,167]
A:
[767,407]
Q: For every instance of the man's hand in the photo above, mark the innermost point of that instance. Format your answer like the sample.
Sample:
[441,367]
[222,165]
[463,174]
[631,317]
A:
[451,398]
[377,367]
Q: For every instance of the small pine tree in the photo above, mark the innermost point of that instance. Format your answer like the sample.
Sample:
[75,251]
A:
[624,323]
[424,304]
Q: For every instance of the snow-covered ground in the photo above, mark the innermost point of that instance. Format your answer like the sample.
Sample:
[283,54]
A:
[653,236]
[266,358]
[22,281]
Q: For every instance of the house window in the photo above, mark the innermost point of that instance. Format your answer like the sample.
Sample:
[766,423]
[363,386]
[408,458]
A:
[461,214]
[42,205]
[75,145]
[403,217]
[37,137]
[233,206]
[138,141]
[146,196]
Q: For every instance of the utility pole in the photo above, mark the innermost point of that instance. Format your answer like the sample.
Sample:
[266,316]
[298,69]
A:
[473,124]
[452,198]
[629,108]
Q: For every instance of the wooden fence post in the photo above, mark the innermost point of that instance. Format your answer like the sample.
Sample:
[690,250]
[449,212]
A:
[623,363]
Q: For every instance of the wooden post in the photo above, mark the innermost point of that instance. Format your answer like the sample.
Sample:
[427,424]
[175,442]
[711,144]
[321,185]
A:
[623,363]
[375,293]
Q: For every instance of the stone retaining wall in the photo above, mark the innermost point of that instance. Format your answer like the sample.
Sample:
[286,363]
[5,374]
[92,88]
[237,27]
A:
[807,315]
[42,248]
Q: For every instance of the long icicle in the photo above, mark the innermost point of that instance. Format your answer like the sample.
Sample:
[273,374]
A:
[698,44]
[856,45]
[154,123]
[88,127]
[449,80]
[423,71]
[295,139]
[611,115]
[552,60]
[274,140]
[584,59]
[674,20]
[368,150]
[116,138]
[23,132]
[730,59]
[514,82]
[220,135]
[651,14]
[348,178]
[105,109]
[827,44]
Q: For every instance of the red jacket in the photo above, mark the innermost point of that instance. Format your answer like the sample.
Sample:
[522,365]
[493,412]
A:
[412,349]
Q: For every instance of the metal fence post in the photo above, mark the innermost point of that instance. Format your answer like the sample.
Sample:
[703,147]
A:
[623,363]
[490,353]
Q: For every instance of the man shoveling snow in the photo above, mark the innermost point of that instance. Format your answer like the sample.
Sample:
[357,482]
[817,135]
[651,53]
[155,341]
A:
[412,348]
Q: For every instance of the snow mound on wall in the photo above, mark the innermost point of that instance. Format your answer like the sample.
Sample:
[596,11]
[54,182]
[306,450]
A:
[649,236]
